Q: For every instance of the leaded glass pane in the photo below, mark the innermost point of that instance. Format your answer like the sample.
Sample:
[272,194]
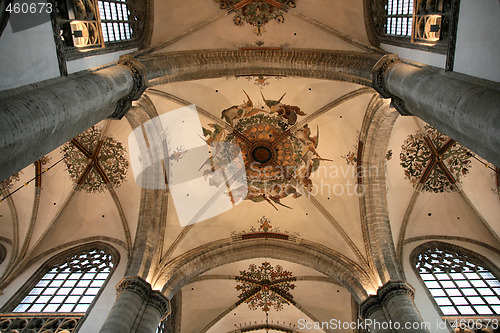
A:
[115,20]
[453,292]
[65,288]
[459,284]
[399,17]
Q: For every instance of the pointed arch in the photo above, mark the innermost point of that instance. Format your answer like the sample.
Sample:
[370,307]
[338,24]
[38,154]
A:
[459,281]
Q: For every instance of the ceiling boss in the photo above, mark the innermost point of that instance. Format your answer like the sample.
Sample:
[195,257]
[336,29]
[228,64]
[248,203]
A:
[278,155]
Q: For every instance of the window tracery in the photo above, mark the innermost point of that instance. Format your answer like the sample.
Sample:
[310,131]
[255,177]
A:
[460,283]
[71,285]
[59,295]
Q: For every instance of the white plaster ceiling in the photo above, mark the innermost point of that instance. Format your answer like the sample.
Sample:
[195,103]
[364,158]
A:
[63,216]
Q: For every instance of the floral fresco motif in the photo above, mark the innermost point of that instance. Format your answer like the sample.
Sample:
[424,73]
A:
[277,156]
[265,287]
[265,230]
[428,157]
[9,182]
[94,160]
[351,158]
[260,81]
[257,12]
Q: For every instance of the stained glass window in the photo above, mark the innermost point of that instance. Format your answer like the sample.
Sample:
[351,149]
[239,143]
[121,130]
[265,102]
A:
[70,285]
[399,17]
[460,284]
[115,20]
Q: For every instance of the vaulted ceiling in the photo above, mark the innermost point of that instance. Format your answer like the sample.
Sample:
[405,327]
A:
[459,200]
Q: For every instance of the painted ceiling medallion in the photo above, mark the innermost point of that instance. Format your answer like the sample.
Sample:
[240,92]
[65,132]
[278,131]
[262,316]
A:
[264,230]
[257,12]
[278,156]
[265,287]
[95,161]
[434,160]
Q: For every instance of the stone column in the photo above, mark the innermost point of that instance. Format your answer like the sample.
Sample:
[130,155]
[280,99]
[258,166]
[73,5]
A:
[372,312]
[392,310]
[397,299]
[33,122]
[137,309]
[466,111]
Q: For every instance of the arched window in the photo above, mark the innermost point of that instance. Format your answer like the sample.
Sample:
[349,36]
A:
[460,281]
[428,25]
[85,28]
[68,282]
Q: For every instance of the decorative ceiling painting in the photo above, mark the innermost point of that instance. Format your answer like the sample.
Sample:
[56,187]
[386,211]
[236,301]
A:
[264,230]
[95,161]
[257,12]
[260,81]
[9,182]
[265,287]
[278,155]
[435,160]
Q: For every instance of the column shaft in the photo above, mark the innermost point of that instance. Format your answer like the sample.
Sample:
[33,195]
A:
[402,311]
[397,299]
[137,309]
[467,112]
[372,312]
[124,313]
[34,123]
[378,322]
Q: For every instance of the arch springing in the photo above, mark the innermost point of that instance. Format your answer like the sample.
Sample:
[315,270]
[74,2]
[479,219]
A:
[461,284]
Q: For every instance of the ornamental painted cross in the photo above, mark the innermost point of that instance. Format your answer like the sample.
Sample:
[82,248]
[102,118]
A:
[265,286]
[94,161]
[434,160]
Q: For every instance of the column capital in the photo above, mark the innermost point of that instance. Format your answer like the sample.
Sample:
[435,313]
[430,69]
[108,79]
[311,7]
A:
[160,302]
[135,284]
[138,71]
[378,82]
[395,288]
[369,306]
[142,288]
[379,71]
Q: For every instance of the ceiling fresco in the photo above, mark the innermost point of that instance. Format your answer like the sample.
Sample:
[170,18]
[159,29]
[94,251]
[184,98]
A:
[278,155]
[9,182]
[265,287]
[264,230]
[257,12]
[94,160]
[284,164]
[435,160]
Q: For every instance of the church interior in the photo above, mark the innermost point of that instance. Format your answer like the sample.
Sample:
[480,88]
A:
[226,166]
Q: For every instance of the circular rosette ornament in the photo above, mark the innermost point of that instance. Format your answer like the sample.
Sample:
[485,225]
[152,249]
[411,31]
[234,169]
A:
[278,156]
[95,161]
[434,159]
